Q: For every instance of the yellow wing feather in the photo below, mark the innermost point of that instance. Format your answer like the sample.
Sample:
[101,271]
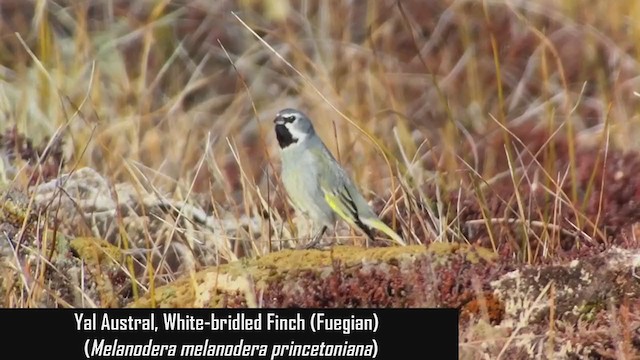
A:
[341,208]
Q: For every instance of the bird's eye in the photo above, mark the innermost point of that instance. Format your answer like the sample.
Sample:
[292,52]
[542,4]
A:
[289,118]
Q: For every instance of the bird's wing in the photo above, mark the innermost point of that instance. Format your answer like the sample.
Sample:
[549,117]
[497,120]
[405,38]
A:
[333,183]
[340,200]
[344,199]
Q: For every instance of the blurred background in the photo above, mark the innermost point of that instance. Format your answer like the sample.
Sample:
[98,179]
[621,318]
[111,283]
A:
[184,92]
[509,125]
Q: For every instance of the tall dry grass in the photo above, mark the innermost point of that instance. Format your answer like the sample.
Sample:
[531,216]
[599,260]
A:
[411,96]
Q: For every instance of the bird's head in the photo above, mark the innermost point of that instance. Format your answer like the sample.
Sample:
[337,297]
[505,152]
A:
[292,127]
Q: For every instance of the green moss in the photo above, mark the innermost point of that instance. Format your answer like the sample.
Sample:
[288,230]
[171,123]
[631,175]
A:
[239,281]
[589,310]
[102,261]
[96,251]
[472,254]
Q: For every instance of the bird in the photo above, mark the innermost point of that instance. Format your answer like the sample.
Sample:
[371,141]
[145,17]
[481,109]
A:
[317,185]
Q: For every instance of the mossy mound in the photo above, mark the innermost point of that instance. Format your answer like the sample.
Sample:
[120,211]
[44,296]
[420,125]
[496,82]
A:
[344,276]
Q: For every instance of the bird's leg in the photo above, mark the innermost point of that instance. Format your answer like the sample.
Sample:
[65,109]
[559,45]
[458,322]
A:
[370,237]
[315,240]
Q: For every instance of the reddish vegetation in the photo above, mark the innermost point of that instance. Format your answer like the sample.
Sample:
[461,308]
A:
[433,64]
[43,162]
[606,210]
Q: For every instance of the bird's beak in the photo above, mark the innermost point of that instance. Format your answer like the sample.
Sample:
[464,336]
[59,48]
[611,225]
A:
[278,120]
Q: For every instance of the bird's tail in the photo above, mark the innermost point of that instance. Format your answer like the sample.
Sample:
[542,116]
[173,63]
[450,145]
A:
[379,225]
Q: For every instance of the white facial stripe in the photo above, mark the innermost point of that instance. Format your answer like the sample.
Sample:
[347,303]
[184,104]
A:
[297,134]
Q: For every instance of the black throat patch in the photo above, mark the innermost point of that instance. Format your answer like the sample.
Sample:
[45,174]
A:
[284,136]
